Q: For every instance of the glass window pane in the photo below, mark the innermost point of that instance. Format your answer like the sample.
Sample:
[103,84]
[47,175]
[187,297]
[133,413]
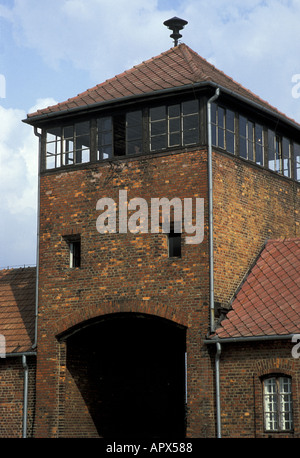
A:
[190,122]
[158,128]
[271,149]
[174,125]
[50,162]
[286,156]
[159,142]
[157,113]
[174,139]
[134,118]
[230,120]
[68,132]
[53,134]
[243,126]
[105,123]
[213,135]
[105,138]
[190,137]
[174,111]
[250,151]
[134,147]
[214,113]
[189,107]
[221,140]
[259,144]
[221,117]
[230,142]
[297,161]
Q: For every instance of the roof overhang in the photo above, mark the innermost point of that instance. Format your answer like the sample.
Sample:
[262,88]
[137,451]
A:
[42,119]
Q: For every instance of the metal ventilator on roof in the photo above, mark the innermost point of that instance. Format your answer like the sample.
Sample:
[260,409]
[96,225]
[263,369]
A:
[176,24]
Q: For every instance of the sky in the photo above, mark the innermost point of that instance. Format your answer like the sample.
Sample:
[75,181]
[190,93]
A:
[51,50]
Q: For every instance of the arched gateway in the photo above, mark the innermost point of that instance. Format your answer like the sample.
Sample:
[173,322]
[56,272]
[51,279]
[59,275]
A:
[125,377]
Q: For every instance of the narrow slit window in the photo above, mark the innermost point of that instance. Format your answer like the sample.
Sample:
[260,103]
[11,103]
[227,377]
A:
[75,253]
[174,243]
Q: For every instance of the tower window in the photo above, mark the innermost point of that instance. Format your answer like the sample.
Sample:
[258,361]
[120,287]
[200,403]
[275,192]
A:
[223,129]
[279,153]
[174,125]
[68,145]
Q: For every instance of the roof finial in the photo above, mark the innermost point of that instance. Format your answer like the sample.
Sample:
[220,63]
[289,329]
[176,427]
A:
[175,24]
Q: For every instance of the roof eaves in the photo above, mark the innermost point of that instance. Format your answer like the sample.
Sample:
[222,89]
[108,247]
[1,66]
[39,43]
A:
[32,120]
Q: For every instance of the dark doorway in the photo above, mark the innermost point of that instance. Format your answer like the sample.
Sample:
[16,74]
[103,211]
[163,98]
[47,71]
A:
[130,370]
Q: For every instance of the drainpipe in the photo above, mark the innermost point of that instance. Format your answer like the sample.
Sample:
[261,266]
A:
[39,135]
[25,390]
[218,398]
[210,214]
[211,260]
[25,401]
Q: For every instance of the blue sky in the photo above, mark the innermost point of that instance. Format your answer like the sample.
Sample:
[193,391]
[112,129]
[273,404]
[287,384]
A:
[51,50]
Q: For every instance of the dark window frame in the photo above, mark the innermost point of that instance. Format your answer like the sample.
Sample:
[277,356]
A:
[223,134]
[135,139]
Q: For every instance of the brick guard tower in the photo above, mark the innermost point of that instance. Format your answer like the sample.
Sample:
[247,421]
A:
[125,320]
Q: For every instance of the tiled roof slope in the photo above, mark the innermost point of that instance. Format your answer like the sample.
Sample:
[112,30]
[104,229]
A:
[177,67]
[268,302]
[17,308]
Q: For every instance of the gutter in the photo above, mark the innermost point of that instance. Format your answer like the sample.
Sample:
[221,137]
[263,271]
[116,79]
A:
[215,340]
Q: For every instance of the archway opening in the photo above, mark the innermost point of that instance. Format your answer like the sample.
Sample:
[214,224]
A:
[126,378]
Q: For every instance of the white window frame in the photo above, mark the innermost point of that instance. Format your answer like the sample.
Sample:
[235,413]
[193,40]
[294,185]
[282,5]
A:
[278,407]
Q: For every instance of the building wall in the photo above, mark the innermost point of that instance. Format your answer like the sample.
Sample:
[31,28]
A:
[119,272]
[132,272]
[12,397]
[251,205]
[242,367]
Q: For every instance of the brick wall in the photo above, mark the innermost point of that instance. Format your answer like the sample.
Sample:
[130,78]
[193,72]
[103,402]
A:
[242,367]
[251,205]
[132,273]
[119,272]
[12,397]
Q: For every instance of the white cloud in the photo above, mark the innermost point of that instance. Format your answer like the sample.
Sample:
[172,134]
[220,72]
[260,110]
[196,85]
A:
[18,186]
[256,42]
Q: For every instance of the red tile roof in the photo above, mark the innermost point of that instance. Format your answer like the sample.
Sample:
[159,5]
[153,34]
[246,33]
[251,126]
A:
[268,302]
[175,68]
[17,308]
